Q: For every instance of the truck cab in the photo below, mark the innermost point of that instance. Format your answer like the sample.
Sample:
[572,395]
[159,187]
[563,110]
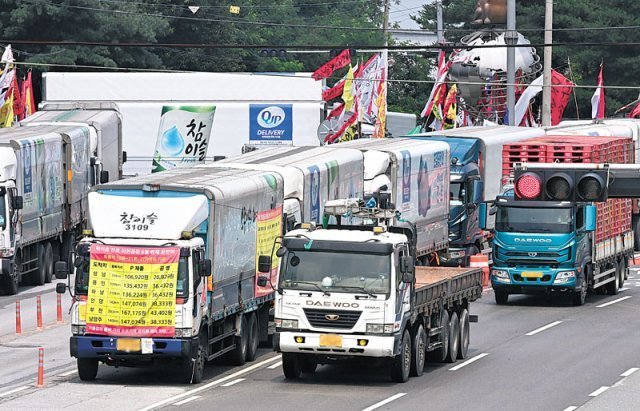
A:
[541,247]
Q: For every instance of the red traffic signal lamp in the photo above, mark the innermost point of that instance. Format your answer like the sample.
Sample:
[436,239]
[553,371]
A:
[554,185]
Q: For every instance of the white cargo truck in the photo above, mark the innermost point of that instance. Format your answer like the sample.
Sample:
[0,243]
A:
[415,176]
[144,289]
[47,170]
[353,292]
[312,176]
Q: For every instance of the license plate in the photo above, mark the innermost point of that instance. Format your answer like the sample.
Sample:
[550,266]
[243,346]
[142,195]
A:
[457,254]
[128,345]
[532,274]
[330,340]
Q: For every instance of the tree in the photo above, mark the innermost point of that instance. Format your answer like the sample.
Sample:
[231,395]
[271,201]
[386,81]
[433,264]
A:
[575,22]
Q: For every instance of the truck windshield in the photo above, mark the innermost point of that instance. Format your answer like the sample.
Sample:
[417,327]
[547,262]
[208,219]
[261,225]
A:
[534,220]
[182,286]
[456,194]
[336,272]
[3,212]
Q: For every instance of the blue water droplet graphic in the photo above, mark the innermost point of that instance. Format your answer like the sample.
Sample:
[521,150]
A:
[172,141]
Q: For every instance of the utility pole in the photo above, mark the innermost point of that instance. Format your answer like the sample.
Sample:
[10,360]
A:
[439,21]
[385,23]
[511,39]
[548,51]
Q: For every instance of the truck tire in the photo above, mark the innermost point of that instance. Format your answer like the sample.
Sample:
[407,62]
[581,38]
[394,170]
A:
[291,365]
[624,272]
[464,334]
[253,337]
[66,249]
[48,262]
[440,353]
[614,286]
[401,363]
[39,275]
[239,355]
[454,338]
[87,368]
[502,297]
[419,352]
[636,235]
[11,281]
[579,297]
[309,365]
[192,370]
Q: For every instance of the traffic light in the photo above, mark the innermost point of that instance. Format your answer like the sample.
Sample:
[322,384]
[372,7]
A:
[280,53]
[554,185]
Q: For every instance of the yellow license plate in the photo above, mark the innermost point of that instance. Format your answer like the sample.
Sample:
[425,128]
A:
[128,345]
[532,274]
[330,340]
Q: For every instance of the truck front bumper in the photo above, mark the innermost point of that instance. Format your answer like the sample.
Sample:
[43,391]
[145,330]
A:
[105,349]
[534,280]
[376,345]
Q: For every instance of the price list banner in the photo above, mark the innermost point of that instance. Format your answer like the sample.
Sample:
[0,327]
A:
[132,291]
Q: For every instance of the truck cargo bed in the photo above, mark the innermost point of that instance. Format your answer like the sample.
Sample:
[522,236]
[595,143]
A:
[437,287]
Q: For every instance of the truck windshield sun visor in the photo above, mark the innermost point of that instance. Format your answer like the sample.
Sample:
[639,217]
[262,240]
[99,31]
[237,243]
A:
[293,244]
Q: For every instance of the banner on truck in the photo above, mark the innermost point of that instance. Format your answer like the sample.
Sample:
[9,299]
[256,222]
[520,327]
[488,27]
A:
[270,124]
[183,136]
[132,291]
[268,228]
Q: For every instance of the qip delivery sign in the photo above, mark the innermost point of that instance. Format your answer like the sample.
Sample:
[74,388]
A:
[271,124]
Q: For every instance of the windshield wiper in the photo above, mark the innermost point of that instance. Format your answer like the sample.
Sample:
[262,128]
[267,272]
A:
[325,292]
[353,287]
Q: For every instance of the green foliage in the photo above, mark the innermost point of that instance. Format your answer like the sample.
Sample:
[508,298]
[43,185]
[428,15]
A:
[403,96]
[620,63]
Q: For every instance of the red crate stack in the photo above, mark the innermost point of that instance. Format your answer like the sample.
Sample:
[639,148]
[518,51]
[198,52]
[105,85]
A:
[613,216]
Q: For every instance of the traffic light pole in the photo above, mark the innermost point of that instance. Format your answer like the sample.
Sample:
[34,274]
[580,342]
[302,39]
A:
[511,39]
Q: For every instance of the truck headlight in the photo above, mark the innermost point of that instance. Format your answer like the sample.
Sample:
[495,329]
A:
[379,328]
[501,275]
[184,333]
[564,277]
[78,329]
[282,323]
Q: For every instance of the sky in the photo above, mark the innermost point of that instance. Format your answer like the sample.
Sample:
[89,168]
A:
[400,12]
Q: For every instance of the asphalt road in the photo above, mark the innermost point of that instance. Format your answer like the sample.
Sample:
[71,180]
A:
[536,353]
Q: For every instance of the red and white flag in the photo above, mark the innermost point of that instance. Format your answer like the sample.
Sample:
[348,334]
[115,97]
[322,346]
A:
[443,69]
[597,101]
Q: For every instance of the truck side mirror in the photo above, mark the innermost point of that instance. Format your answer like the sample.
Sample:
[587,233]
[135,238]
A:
[62,270]
[406,265]
[281,252]
[482,216]
[104,177]
[264,264]
[590,218]
[478,188]
[205,268]
[61,288]
[17,203]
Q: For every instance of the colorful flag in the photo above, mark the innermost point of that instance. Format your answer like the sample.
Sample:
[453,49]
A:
[560,94]
[336,111]
[351,120]
[333,92]
[441,75]
[27,96]
[635,113]
[18,105]
[347,93]
[341,60]
[6,112]
[597,101]
[523,102]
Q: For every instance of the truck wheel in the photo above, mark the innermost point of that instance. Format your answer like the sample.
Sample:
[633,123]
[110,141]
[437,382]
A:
[440,353]
[309,365]
[502,297]
[464,337]
[623,271]
[419,352]
[239,354]
[10,281]
[38,276]
[48,263]
[454,340]
[66,250]
[192,370]
[401,363]
[614,286]
[291,365]
[636,236]
[87,368]
[254,337]
[579,297]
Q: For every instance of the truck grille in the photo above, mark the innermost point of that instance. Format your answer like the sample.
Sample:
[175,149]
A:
[320,318]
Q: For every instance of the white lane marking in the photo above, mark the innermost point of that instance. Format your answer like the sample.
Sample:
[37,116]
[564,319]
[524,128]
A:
[613,302]
[469,361]
[387,401]
[171,400]
[629,372]
[234,382]
[274,366]
[195,397]
[571,408]
[623,289]
[68,373]
[13,391]
[599,391]
[546,327]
